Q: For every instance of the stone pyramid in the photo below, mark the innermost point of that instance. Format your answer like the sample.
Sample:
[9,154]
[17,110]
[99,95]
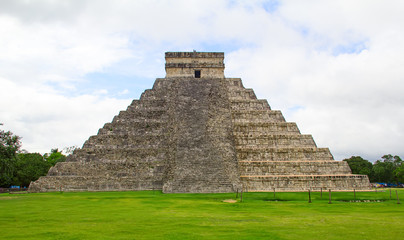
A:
[197,131]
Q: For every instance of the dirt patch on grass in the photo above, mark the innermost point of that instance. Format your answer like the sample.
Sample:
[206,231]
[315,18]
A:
[230,201]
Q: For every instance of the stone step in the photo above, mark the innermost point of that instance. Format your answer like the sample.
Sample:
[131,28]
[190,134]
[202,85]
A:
[152,94]
[283,154]
[150,153]
[135,123]
[287,161]
[241,93]
[300,176]
[117,121]
[235,83]
[98,141]
[274,140]
[251,136]
[162,84]
[91,183]
[137,104]
[143,107]
[263,168]
[150,127]
[126,131]
[129,145]
[249,104]
[110,168]
[148,113]
[265,128]
[254,116]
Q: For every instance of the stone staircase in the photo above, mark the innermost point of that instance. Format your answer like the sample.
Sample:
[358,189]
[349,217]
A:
[202,157]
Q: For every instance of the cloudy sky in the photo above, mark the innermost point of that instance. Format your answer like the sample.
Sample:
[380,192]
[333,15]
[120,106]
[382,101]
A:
[335,67]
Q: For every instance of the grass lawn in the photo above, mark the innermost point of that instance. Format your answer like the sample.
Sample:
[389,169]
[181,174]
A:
[153,215]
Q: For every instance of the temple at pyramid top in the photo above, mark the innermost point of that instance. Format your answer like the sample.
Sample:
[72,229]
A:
[195,64]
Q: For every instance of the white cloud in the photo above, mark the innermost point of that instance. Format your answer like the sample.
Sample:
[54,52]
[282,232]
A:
[334,67]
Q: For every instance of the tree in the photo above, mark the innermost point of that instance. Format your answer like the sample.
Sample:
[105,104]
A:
[399,173]
[378,172]
[387,158]
[391,163]
[20,169]
[397,161]
[54,157]
[359,165]
[385,170]
[9,145]
[29,167]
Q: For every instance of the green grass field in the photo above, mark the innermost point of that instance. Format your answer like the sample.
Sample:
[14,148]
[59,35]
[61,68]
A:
[153,215]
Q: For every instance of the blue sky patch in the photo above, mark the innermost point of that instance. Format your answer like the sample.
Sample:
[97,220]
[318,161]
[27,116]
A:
[351,48]
[271,6]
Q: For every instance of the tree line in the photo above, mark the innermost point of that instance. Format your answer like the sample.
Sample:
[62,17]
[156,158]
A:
[18,167]
[388,169]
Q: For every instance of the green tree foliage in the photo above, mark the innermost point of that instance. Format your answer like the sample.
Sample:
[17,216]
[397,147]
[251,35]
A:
[399,173]
[388,169]
[54,157]
[22,168]
[359,165]
[9,145]
[396,160]
[378,172]
[29,167]
[385,170]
